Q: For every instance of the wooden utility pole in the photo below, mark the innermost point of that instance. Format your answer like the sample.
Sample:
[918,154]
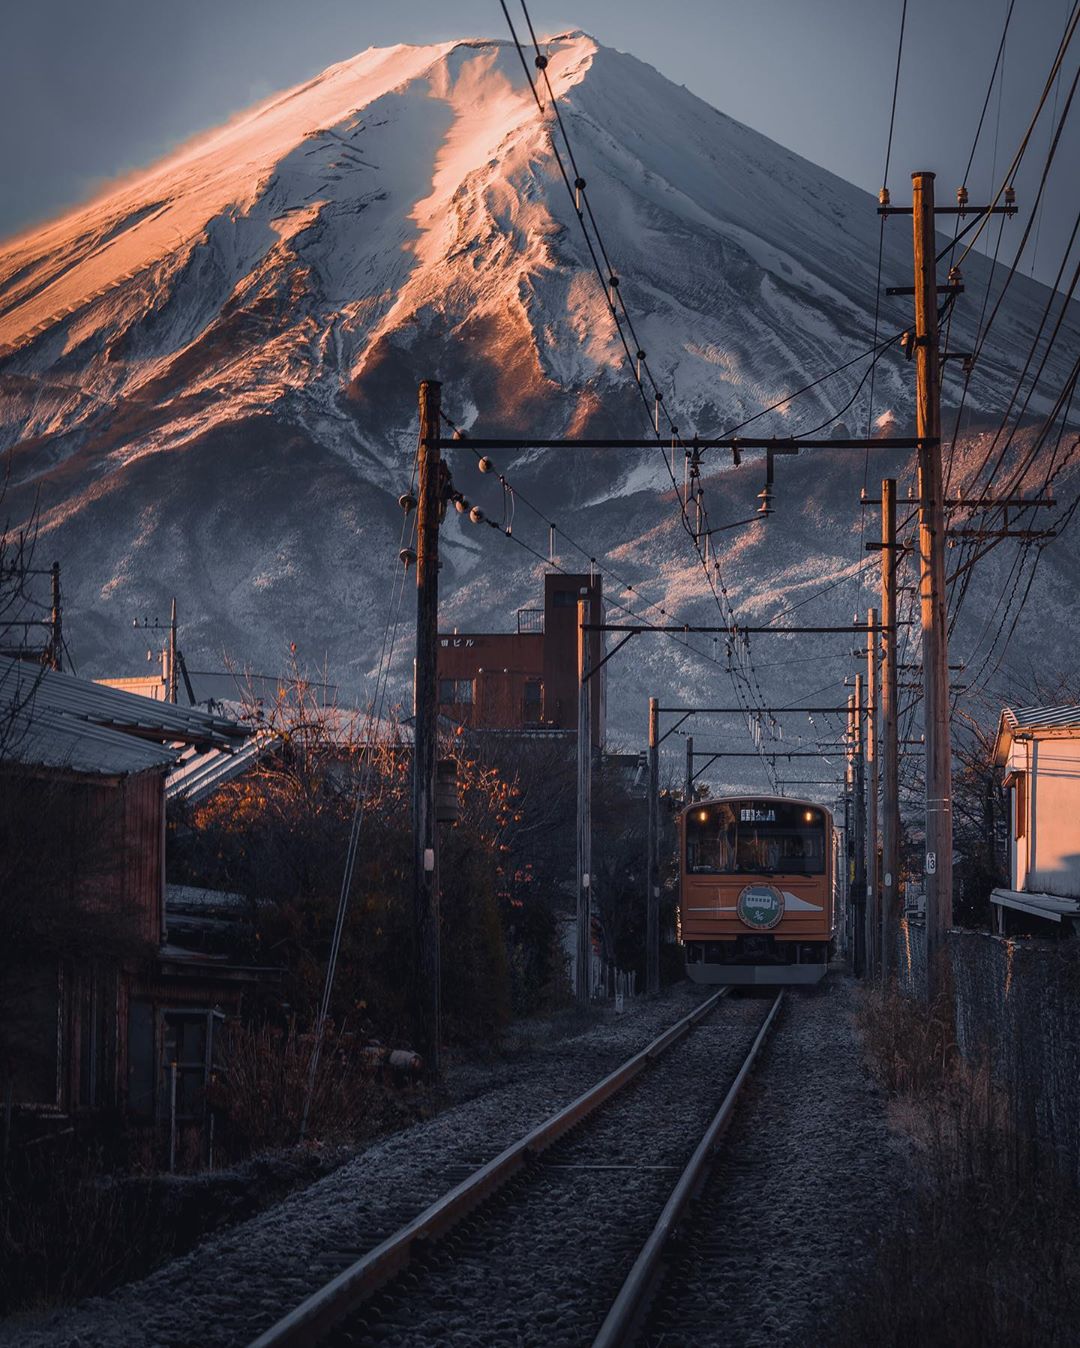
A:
[935,638]
[849,787]
[584,803]
[56,643]
[873,891]
[429,509]
[688,794]
[170,685]
[890,796]
[858,887]
[652,884]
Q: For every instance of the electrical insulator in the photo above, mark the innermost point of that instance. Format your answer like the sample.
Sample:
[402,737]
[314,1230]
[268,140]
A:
[541,63]
[407,556]
[962,197]
[579,187]
[407,501]
[613,282]
[1010,196]
[883,196]
[476,515]
[461,505]
[954,276]
[459,435]
[485,465]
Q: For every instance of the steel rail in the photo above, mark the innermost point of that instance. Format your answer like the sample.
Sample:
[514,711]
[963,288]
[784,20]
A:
[324,1309]
[633,1296]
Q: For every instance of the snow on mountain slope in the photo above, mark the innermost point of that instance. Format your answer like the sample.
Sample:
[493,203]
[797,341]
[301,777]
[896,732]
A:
[208,374]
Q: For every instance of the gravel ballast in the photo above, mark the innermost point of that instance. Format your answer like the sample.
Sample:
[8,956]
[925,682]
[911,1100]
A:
[805,1184]
[234,1284]
[543,1261]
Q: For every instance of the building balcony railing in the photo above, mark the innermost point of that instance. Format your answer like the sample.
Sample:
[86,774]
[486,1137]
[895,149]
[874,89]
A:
[530,620]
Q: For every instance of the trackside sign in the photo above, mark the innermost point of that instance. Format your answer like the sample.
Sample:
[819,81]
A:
[760,906]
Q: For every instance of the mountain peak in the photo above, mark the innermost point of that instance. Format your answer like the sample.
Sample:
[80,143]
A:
[256,309]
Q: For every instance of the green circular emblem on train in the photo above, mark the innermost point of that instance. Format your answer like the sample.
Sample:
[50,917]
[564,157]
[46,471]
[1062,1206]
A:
[760,906]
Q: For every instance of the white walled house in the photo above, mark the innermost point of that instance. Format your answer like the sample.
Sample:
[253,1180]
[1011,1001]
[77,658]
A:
[1039,748]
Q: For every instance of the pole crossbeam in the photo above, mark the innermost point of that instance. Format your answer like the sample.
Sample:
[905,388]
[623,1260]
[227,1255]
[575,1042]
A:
[783,445]
[740,711]
[636,629]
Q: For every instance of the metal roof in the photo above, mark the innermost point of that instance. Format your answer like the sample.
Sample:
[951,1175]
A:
[38,738]
[1054,907]
[85,700]
[197,776]
[1020,721]
[57,720]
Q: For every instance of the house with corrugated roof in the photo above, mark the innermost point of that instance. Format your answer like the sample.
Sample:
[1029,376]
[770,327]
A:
[1039,749]
[101,1005]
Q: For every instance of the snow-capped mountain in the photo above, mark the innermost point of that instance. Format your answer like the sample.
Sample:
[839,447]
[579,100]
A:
[208,375]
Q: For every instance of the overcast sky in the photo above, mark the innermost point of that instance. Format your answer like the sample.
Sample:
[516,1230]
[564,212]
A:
[93,88]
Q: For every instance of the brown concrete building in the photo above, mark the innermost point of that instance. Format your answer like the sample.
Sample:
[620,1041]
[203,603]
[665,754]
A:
[526,679]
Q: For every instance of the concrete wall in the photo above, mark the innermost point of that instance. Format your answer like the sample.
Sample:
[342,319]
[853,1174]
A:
[1017,1001]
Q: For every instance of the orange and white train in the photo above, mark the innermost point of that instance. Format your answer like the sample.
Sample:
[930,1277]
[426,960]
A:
[756,890]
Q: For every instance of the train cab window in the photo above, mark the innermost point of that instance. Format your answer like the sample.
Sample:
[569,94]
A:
[711,840]
[755,838]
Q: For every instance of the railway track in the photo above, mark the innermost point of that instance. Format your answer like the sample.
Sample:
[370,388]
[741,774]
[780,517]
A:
[561,1238]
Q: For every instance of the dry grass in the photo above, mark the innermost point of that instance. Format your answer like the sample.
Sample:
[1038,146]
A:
[262,1087]
[66,1231]
[986,1246]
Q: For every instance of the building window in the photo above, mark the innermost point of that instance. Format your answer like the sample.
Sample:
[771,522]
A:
[564,599]
[456,691]
[1020,797]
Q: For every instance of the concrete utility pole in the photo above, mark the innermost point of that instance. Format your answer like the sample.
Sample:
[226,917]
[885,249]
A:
[652,877]
[689,792]
[584,804]
[56,644]
[890,802]
[429,509]
[170,688]
[935,632]
[858,886]
[873,892]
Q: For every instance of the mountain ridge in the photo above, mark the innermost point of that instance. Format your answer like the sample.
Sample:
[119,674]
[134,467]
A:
[207,377]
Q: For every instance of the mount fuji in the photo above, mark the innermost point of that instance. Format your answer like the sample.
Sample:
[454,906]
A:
[208,374]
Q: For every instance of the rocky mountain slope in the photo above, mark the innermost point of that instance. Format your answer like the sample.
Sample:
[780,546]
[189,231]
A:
[208,375]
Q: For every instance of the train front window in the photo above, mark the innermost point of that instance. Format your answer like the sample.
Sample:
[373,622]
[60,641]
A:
[755,838]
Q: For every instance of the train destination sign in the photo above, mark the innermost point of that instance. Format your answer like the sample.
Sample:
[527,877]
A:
[752,815]
[760,906]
